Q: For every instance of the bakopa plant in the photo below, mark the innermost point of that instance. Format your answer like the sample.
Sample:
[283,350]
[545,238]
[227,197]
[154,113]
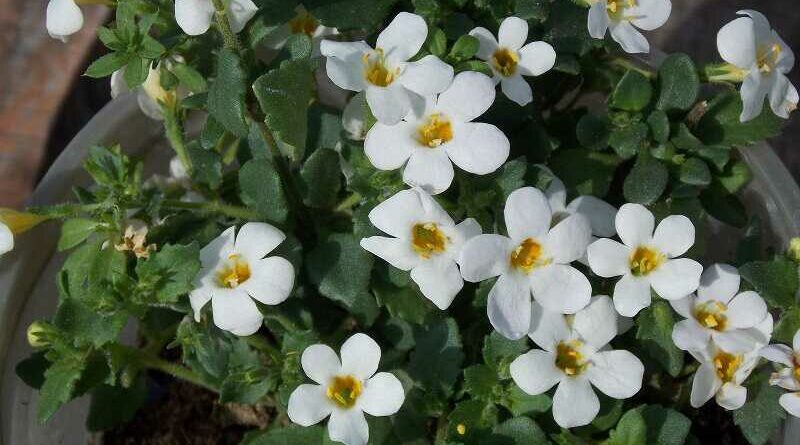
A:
[505,229]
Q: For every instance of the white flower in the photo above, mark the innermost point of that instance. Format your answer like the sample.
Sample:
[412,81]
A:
[510,58]
[533,259]
[425,240]
[735,321]
[345,390]
[63,19]
[575,356]
[302,23]
[354,120]
[764,59]
[431,141]
[788,377]
[720,375]
[392,84]
[195,16]
[150,95]
[646,259]
[6,239]
[599,213]
[622,17]
[234,272]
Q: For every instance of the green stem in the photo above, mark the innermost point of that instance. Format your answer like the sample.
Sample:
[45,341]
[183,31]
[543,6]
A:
[224,26]
[214,207]
[347,204]
[282,320]
[261,343]
[174,130]
[151,361]
[628,65]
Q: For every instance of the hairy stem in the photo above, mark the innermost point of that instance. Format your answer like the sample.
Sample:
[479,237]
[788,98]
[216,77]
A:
[174,130]
[154,362]
[224,26]
[214,207]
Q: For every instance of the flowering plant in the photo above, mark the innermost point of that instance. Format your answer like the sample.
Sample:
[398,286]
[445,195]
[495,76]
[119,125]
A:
[555,287]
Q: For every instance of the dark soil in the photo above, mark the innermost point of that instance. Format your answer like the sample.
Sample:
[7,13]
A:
[714,425]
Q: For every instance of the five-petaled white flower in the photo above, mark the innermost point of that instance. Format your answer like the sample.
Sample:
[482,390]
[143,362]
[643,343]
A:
[533,259]
[737,322]
[426,241]
[234,273]
[763,59]
[195,16]
[345,390]
[575,356]
[63,18]
[392,83]
[646,259]
[430,142]
[599,213]
[789,377]
[302,23]
[510,58]
[622,17]
[721,374]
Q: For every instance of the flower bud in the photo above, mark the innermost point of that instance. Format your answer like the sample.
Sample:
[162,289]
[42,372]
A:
[40,334]
[794,250]
[20,222]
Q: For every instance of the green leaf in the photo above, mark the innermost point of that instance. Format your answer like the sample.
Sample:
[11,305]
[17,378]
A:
[720,124]
[113,405]
[404,302]
[518,431]
[168,274]
[226,94]
[499,352]
[787,326]
[465,48]
[695,172]
[585,172]
[435,363]
[206,165]
[436,43]
[136,72]
[473,65]
[350,14]
[59,385]
[659,126]
[631,430]
[678,82]
[627,142]
[474,416]
[480,382]
[86,326]
[646,181]
[593,131]
[736,176]
[106,65]
[776,281]
[292,435]
[761,416]
[75,231]
[632,93]
[520,403]
[247,380]
[321,179]
[665,426]
[262,189]
[654,330]
[190,78]
[724,206]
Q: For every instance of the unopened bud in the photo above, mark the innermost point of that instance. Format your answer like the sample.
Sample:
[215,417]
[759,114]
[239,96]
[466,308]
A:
[39,334]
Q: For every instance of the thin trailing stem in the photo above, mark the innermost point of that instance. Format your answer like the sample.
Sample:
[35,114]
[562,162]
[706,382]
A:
[154,362]
[224,26]
[214,207]
[174,131]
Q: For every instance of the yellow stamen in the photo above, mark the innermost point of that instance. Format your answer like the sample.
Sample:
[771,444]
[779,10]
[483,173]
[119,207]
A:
[645,260]
[768,58]
[376,71]
[726,365]
[436,131]
[461,429]
[528,255]
[569,358]
[711,315]
[505,61]
[304,23]
[344,391]
[616,6]
[796,361]
[234,273]
[427,239]
[152,87]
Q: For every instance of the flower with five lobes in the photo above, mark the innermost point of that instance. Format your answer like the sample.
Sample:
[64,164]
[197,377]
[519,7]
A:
[426,241]
[720,375]
[737,322]
[510,58]
[599,213]
[761,60]
[430,143]
[195,16]
[534,259]
[622,17]
[234,272]
[345,390]
[392,84]
[64,18]
[575,356]
[789,377]
[645,259]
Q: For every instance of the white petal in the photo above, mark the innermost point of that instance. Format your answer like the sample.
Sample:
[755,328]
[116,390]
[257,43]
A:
[118,85]
[731,396]
[469,96]
[567,241]
[383,395]
[618,374]
[575,403]
[321,364]
[484,257]
[398,214]
[684,306]
[548,328]
[517,89]
[271,281]
[345,75]
[478,148]
[630,39]
[599,213]
[255,240]
[785,379]
[6,239]
[649,14]
[560,288]
[64,18]
[736,43]
[433,211]
[513,33]
[360,356]
[631,295]
[194,16]
[704,385]
[778,353]
[753,91]
[796,341]
[746,310]
[404,36]
[783,96]
[608,258]
[353,118]
[220,248]
[688,335]
[487,44]
[389,104]
[349,427]
[308,405]
[740,340]
[597,322]
[352,52]
[535,371]
[634,224]
[527,214]
[556,194]
[239,13]
[439,280]
[466,230]
[429,169]
[674,235]
[786,58]
[598,20]
[388,147]
[761,27]
[395,251]
[427,76]
[719,282]
[236,312]
[149,107]
[791,403]
[198,298]
[536,58]
[676,278]
[509,306]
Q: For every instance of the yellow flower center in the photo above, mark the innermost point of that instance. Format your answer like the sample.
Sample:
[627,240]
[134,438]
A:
[505,61]
[726,365]
[304,23]
[796,360]
[767,57]
[615,7]
[645,260]
[344,390]
[711,315]
[461,429]
[235,272]
[427,239]
[569,358]
[376,71]
[436,131]
[528,255]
